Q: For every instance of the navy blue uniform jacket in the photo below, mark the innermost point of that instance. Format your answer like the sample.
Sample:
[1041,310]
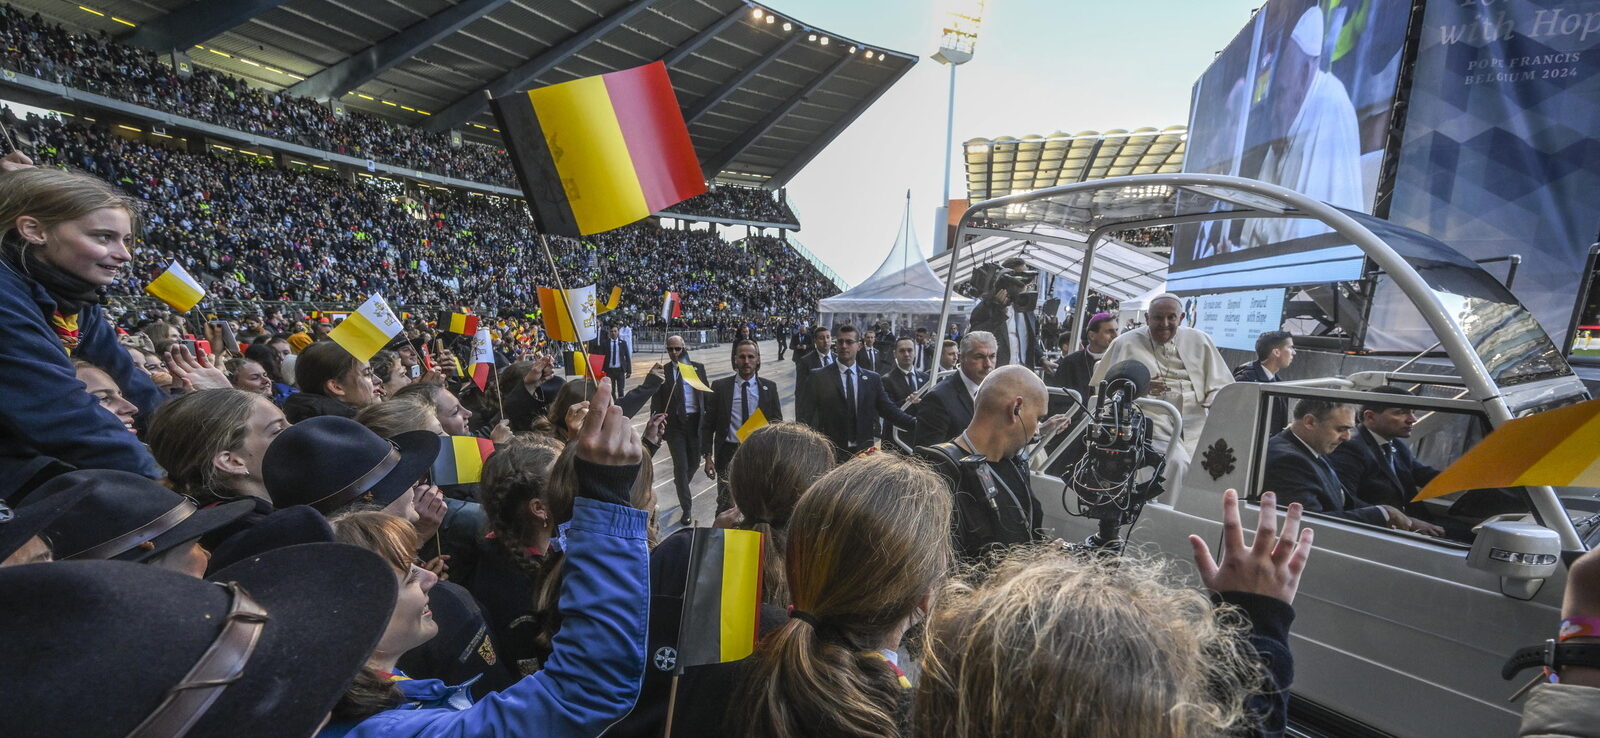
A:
[1296,476]
[40,393]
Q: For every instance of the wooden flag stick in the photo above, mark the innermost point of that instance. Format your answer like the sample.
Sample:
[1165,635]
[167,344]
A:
[672,706]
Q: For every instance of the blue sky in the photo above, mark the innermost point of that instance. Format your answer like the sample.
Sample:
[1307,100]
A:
[1040,66]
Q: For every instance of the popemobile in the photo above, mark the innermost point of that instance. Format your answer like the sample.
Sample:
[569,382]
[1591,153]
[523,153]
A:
[1396,633]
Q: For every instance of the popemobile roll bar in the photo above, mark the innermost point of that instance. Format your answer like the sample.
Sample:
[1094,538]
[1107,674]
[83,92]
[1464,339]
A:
[1257,199]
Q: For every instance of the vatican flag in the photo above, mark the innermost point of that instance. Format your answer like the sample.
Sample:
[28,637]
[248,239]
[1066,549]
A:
[176,288]
[368,329]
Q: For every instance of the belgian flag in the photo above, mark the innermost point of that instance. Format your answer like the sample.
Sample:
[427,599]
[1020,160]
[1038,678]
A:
[600,152]
[464,323]
[460,459]
[722,599]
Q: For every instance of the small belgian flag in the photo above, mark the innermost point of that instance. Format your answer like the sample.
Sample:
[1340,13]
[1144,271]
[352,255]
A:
[464,323]
[460,459]
[600,152]
[722,598]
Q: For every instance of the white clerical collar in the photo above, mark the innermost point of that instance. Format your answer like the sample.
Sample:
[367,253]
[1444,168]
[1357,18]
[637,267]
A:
[1094,355]
[972,387]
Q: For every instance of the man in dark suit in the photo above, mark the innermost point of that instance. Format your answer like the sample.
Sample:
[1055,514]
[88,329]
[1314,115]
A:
[1298,469]
[845,400]
[1076,367]
[902,377]
[1274,353]
[1377,463]
[947,409]
[927,352]
[683,405]
[733,400]
[870,357]
[618,359]
[819,354]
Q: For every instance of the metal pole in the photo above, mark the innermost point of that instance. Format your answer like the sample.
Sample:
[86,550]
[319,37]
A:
[941,214]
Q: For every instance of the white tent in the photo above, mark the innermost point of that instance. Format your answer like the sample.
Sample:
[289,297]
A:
[903,286]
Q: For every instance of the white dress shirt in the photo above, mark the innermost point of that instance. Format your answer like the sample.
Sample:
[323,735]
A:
[736,417]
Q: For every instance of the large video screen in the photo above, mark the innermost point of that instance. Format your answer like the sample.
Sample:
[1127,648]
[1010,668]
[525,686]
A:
[1302,98]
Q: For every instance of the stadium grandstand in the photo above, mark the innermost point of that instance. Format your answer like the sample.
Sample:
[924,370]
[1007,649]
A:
[1132,264]
[368,128]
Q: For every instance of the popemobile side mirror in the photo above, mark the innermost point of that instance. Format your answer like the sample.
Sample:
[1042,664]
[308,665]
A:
[1522,554]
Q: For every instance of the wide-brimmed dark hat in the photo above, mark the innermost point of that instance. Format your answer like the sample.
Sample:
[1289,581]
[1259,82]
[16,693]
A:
[19,526]
[287,527]
[328,462]
[266,648]
[126,517]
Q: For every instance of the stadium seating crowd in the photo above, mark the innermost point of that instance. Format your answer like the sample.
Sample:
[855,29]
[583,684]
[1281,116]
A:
[255,231]
[747,202]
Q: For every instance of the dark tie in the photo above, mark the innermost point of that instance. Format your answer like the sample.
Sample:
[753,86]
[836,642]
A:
[1388,457]
[616,356]
[1336,489]
[850,400]
[744,403]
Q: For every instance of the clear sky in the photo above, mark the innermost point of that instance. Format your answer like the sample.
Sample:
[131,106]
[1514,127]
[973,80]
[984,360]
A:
[1040,66]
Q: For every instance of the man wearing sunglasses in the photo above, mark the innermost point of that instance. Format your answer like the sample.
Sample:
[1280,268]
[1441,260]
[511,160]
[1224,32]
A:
[682,404]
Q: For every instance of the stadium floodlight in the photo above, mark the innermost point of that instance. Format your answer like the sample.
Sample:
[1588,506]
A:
[956,44]
[960,35]
[852,49]
[812,37]
[756,13]
[772,18]
[824,41]
[787,26]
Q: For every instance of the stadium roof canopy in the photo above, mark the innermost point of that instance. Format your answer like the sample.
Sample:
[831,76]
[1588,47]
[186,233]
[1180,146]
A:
[763,93]
[1006,166]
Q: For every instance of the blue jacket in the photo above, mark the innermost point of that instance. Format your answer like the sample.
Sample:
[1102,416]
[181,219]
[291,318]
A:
[593,675]
[41,396]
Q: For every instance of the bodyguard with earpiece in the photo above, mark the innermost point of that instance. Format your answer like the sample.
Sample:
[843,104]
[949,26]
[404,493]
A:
[994,502]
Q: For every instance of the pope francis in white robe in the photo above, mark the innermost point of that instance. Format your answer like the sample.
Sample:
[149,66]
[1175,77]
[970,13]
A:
[1321,153]
[1187,363]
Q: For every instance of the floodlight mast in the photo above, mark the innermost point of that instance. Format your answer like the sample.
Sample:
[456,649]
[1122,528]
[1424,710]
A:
[955,48]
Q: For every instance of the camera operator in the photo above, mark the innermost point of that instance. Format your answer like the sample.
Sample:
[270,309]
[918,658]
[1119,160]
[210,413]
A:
[994,501]
[1007,311]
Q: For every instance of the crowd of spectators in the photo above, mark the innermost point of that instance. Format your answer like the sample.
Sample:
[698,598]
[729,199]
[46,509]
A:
[251,230]
[747,203]
[99,64]
[1151,238]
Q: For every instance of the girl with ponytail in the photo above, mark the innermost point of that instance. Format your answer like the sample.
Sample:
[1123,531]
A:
[768,474]
[867,546]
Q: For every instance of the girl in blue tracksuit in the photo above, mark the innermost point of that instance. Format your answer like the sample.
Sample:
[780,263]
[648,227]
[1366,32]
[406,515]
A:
[593,675]
[64,238]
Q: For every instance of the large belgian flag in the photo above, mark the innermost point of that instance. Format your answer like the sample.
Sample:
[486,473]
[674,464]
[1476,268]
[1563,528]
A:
[601,152]
[722,597]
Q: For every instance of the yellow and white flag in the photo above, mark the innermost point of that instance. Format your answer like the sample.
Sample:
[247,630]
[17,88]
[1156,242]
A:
[690,375]
[176,288]
[368,329]
[569,315]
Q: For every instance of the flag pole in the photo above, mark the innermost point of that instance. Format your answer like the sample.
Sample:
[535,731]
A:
[672,706]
